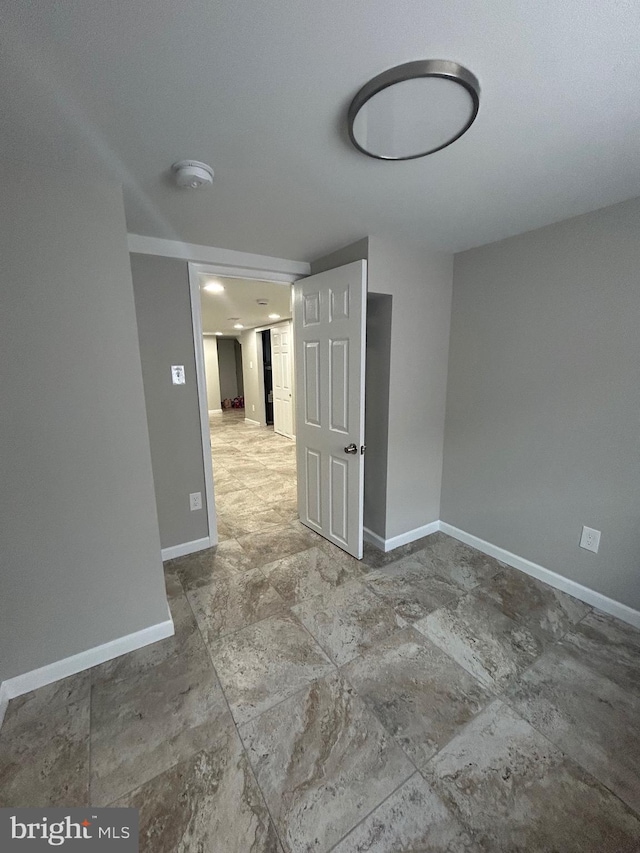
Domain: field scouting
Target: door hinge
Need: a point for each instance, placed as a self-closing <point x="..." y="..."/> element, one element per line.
<point x="362" y="449"/>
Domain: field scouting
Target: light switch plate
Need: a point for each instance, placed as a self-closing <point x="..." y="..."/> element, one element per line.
<point x="177" y="374"/>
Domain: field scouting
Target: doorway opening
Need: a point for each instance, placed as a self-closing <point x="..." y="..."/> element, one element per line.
<point x="247" y="356"/>
<point x="267" y="376"/>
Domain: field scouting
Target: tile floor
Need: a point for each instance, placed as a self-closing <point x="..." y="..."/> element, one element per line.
<point x="429" y="699"/>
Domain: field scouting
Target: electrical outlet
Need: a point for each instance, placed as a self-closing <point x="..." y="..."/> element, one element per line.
<point x="195" y="501"/>
<point x="590" y="539"/>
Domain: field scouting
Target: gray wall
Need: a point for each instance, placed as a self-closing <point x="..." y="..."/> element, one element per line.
<point x="210" y="347"/>
<point x="421" y="285"/>
<point x="239" y="377"/>
<point x="227" y="368"/>
<point x="80" y="546"/>
<point x="376" y="414"/>
<point x="357" y="251"/>
<point x="163" y="310"/>
<point x="252" y="373"/>
<point x="544" y="397"/>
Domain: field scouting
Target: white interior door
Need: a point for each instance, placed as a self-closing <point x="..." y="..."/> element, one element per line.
<point x="281" y="352"/>
<point x="329" y="313"/>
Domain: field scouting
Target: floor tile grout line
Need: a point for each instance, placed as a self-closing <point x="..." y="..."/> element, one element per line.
<point x="375" y="808"/>
<point x="506" y="700"/>
<point x="237" y="731"/>
<point x="566" y="755"/>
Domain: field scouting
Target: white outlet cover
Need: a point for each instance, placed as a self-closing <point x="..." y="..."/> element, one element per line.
<point x="590" y="539"/>
<point x="195" y="500"/>
<point x="177" y="374"/>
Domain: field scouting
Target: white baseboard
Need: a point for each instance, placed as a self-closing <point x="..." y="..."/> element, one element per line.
<point x="28" y="681"/>
<point x="402" y="539"/>
<point x="4" y="701"/>
<point x="186" y="548"/>
<point x="215" y="411"/>
<point x="583" y="593"/>
<point x="373" y="538"/>
<point x="252" y="422"/>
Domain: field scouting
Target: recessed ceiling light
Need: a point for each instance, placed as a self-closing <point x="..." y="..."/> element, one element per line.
<point x="413" y="109"/>
<point x="238" y="326"/>
<point x="214" y="286"/>
<point x="274" y="316"/>
<point x="218" y="333"/>
<point x="262" y="301"/>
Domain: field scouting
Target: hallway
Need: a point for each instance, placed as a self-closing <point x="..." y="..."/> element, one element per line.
<point x="254" y="472"/>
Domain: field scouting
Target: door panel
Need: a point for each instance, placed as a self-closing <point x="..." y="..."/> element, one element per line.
<point x="329" y="344"/>
<point x="282" y="380"/>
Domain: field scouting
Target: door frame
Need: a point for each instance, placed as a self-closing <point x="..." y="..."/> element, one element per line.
<point x="196" y="269"/>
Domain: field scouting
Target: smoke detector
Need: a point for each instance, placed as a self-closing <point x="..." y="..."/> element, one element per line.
<point x="192" y="175"/>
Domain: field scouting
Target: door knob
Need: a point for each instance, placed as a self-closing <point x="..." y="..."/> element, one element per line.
<point x="352" y="448"/>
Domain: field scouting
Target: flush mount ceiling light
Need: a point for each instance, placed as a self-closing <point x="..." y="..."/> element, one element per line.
<point x="218" y="333"/>
<point x="214" y="287"/>
<point x="238" y="326"/>
<point x="413" y="109"/>
<point x="274" y="316"/>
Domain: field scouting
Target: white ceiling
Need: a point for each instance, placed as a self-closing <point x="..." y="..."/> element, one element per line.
<point x="239" y="300"/>
<point x="260" y="91"/>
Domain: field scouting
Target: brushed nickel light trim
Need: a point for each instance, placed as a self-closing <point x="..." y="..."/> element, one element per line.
<point x="439" y="68"/>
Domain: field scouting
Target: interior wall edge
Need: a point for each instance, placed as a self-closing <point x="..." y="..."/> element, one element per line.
<point x="26" y="682"/>
<point x="561" y="582"/>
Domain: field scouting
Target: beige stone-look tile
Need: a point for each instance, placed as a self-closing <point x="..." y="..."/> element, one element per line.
<point x="286" y="491"/>
<point x="265" y="663"/>
<point x="610" y="646"/>
<point x="44" y="746"/>
<point x="224" y="530"/>
<point x="591" y="718"/>
<point x="241" y="524"/>
<point x="145" y="724"/>
<point x="358" y="567"/>
<point x="240" y="467"/>
<point x="347" y="620"/>
<point x="323" y="762"/>
<point x="264" y="548"/>
<point x="420" y="695"/>
<point x="517" y="793"/>
<point x="240" y="502"/>
<point x="541" y="608"/>
<point x="232" y="600"/>
<point x="477" y="635"/>
<point x="225" y="484"/>
<point x="306" y="574"/>
<point x="200" y="568"/>
<point x="288" y="509"/>
<point x="414" y="820"/>
<point x="271" y="481"/>
<point x="210" y="802"/>
<point x="410" y="589"/>
<point x="452" y="559"/>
